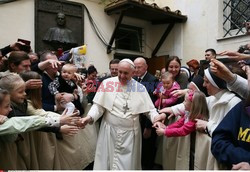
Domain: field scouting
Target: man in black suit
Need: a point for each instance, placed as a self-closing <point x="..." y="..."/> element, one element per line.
<point x="148" y="133"/>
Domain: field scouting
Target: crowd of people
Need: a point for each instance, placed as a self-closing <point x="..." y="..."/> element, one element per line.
<point x="54" y="116"/>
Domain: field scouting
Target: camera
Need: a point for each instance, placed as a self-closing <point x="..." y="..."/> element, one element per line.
<point x="24" y="47"/>
<point x="244" y="49"/>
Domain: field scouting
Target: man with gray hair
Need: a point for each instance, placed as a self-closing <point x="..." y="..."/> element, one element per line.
<point x="120" y="100"/>
<point x="148" y="132"/>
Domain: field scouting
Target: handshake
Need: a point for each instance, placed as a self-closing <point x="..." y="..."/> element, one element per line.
<point x="71" y="124"/>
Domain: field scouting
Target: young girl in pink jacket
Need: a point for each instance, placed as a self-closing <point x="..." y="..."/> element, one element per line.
<point x="164" y="89"/>
<point x="195" y="108"/>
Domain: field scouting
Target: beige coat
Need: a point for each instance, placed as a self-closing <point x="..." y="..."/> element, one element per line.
<point x="71" y="153"/>
<point x="204" y="159"/>
<point x="176" y="151"/>
<point x="9" y="157"/>
<point x="46" y="150"/>
<point x="18" y="155"/>
<point x="45" y="144"/>
<point x="78" y="151"/>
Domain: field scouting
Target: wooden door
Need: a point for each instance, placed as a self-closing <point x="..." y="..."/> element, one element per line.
<point x="156" y="63"/>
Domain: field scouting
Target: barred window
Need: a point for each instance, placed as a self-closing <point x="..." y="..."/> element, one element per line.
<point x="235" y="14"/>
<point x="130" y="38"/>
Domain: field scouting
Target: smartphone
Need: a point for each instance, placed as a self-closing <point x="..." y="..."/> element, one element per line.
<point x="25" y="47"/>
<point x="26" y="42"/>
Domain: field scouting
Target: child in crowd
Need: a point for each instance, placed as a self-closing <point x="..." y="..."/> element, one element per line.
<point x="65" y="83"/>
<point x="164" y="89"/>
<point x="23" y="124"/>
<point x="195" y="108"/>
<point x="43" y="140"/>
<point x="16" y="124"/>
<point x="13" y="103"/>
<point x="34" y="106"/>
<point x="20" y="145"/>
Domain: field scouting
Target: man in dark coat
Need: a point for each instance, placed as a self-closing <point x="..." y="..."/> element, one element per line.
<point x="148" y="133"/>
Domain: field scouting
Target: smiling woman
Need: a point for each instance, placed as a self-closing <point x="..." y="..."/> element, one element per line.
<point x="173" y="66"/>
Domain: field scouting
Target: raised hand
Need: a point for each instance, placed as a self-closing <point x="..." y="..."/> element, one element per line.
<point x="220" y="70"/>
<point x="234" y="55"/>
<point x="33" y="83"/>
<point x="18" y="46"/>
<point x="54" y="63"/>
<point x="69" y="119"/>
<point x="78" y="77"/>
<point x="179" y="93"/>
<point x="50" y="63"/>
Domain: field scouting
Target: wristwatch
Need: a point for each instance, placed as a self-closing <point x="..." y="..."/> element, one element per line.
<point x="206" y="131"/>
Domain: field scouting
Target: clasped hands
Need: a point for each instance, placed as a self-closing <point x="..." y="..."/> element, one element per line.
<point x="72" y="124"/>
<point x="159" y="120"/>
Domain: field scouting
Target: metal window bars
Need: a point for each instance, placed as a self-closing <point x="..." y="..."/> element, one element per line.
<point x="235" y="14"/>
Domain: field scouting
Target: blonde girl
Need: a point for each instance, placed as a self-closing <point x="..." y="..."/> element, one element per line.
<point x="195" y="108"/>
<point x="21" y="150"/>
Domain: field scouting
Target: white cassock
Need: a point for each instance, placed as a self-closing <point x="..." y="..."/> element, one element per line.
<point x="119" y="140"/>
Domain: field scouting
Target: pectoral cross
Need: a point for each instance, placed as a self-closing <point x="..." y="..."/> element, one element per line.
<point x="125" y="107"/>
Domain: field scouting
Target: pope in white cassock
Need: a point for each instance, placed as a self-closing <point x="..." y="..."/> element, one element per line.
<point x="120" y="100"/>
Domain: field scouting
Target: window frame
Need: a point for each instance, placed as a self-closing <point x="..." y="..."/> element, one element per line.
<point x="141" y="37"/>
<point x="227" y="32"/>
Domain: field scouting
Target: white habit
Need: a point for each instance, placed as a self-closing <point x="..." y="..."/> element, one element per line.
<point x="119" y="140"/>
